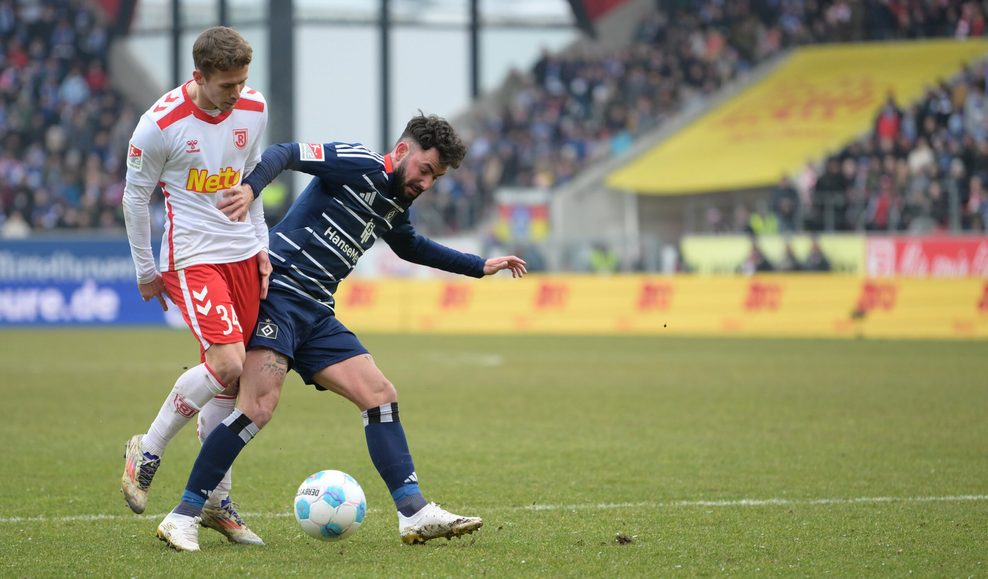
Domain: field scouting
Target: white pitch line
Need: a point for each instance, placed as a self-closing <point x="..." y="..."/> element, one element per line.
<point x="571" y="507"/>
<point x="756" y="503"/>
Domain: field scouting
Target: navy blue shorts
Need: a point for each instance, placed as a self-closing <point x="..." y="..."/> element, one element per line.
<point x="304" y="331"/>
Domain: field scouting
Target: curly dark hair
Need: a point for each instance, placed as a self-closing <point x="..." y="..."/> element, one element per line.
<point x="220" y="48"/>
<point x="434" y="131"/>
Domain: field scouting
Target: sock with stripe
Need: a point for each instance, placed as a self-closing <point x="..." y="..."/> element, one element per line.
<point x="193" y="389"/>
<point x="216" y="456"/>
<point x="390" y="455"/>
<point x="211" y="415"/>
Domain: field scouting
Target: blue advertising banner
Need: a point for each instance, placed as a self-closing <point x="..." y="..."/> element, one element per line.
<point x="73" y="281"/>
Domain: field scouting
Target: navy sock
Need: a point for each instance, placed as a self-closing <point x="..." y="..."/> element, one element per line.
<point x="217" y="454"/>
<point x="390" y="455"/>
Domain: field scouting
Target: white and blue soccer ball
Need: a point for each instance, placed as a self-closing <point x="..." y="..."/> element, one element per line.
<point x="330" y="505"/>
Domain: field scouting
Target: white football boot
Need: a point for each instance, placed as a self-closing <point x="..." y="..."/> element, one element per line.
<point x="432" y="522"/>
<point x="139" y="469"/>
<point x="181" y="532"/>
<point x="223" y="517"/>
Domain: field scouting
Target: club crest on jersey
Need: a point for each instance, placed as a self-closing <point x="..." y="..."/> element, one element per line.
<point x="267" y="329"/>
<point x="240" y="138"/>
<point x="368" y="231"/>
<point x="135" y="157"/>
<point x="311" y="152"/>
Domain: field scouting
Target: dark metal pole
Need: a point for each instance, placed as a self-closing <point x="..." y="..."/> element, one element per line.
<point x="224" y="13"/>
<point x="474" y="48"/>
<point x="281" y="47"/>
<point x="385" y="21"/>
<point x="177" y="76"/>
<point x="280" y="96"/>
<point x="124" y="18"/>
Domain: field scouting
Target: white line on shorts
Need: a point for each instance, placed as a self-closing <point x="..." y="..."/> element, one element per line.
<point x="563" y="507"/>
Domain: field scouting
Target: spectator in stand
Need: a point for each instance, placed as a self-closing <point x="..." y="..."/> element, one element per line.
<point x="828" y="196"/>
<point x="741" y="219"/>
<point x="816" y="260"/>
<point x="789" y="262"/>
<point x="889" y="120"/>
<point x="880" y="205"/>
<point x="756" y="262"/>
<point x="971" y="22"/>
<point x="14" y="226"/>
<point x="763" y="222"/>
<point x="939" y="205"/>
<point x="603" y="259"/>
<point x="785" y="205"/>
<point x="972" y="217"/>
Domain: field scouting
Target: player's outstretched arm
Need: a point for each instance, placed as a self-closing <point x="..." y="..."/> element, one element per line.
<point x="496" y="264"/>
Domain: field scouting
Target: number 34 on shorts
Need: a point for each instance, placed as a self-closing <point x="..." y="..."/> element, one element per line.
<point x="205" y="296"/>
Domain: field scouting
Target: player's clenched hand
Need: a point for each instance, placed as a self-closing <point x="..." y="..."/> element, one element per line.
<point x="154" y="289"/>
<point x="235" y="202"/>
<point x="496" y="264"/>
<point x="264" y="269"/>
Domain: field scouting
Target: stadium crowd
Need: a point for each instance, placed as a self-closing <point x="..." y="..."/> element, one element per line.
<point x="64" y="130"/>
<point x="924" y="167"/>
<point x="570" y="110"/>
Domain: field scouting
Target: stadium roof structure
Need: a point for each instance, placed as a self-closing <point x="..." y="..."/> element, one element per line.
<point x="154" y="14"/>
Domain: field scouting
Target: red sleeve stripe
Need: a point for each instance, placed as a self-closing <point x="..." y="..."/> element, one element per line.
<point x="170" y="215"/>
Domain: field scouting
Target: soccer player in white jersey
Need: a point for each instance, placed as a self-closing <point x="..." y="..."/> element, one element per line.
<point x="197" y="141"/>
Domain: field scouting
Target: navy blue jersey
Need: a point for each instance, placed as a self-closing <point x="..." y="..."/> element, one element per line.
<point x="347" y="206"/>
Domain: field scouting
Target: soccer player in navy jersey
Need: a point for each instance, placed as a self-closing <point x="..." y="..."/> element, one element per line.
<point x="355" y="197"/>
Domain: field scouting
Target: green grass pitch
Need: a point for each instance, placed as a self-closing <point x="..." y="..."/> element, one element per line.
<point x="706" y="456"/>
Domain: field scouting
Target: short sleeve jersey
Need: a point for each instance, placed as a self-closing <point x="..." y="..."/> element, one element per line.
<point x="194" y="155"/>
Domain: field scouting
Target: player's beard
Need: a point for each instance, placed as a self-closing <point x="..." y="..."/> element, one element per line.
<point x="399" y="184"/>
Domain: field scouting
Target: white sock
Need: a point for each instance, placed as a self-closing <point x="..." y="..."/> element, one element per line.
<point x="192" y="390"/>
<point x="222" y="490"/>
<point x="213" y="413"/>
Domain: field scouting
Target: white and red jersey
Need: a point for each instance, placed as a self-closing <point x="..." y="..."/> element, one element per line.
<point x="193" y="155"/>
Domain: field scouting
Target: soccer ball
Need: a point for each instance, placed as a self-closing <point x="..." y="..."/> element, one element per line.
<point x="330" y="505"/>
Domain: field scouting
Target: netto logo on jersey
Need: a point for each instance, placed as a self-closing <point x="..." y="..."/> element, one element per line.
<point x="201" y="181"/>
